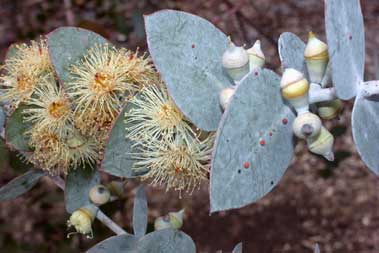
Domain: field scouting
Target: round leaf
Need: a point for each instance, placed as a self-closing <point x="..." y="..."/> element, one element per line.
<point x="365" y="122"/>
<point x="346" y="42"/>
<point x="166" y="241"/>
<point x="254" y="144"/>
<point x="140" y="212"/>
<point x="238" y="248"/>
<point x="116" y="244"/>
<point x="118" y="160"/>
<point x="67" y="45"/>
<point x="78" y="184"/>
<point x="291" y="52"/>
<point x="187" y="50"/>
<point x="15" y="130"/>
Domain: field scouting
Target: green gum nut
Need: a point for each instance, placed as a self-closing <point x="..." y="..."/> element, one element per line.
<point x="329" y="109"/>
<point x="322" y="144"/>
<point x="99" y="195"/>
<point x="176" y="219"/>
<point x="256" y="57"/>
<point x="162" y="223"/>
<point x="316" y="57"/>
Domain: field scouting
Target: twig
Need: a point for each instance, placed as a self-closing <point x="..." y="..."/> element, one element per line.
<point x="370" y="88"/>
<point x="99" y="215"/>
<point x="110" y="223"/>
<point x="68" y="12"/>
<point x="318" y="94"/>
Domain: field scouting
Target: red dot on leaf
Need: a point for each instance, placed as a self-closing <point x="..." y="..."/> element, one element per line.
<point x="285" y="121"/>
<point x="262" y="142"/>
<point x="270" y="133"/>
<point x="246" y="165"/>
<point x="193" y="46"/>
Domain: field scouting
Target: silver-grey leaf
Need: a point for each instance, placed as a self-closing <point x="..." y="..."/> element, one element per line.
<point x="254" y="144"/>
<point x="238" y="248"/>
<point x="140" y="211"/>
<point x="116" y="244"/>
<point x="291" y="52"/>
<point x="316" y="248"/>
<point x="187" y="50"/>
<point x="78" y="184"/>
<point x="365" y="125"/>
<point x="20" y="185"/>
<point x="166" y="241"/>
<point x="346" y="43"/>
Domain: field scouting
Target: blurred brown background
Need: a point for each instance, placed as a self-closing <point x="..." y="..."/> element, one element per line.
<point x="335" y="204"/>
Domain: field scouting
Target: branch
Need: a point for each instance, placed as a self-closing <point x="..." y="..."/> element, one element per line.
<point x="110" y="223"/>
<point x="369" y="89"/>
<point x="318" y="94"/>
<point x="99" y="215"/>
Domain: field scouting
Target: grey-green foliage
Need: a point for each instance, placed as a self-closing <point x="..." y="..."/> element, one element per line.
<point x="316" y="248"/>
<point x="78" y="184"/>
<point x="365" y="126"/>
<point x="345" y="36"/>
<point x="291" y="50"/>
<point x="162" y="241"/>
<point x="140" y="212"/>
<point x="166" y="241"/>
<point x="116" y="244"/>
<point x="254" y="145"/>
<point x="238" y="248"/>
<point x="346" y="43"/>
<point x="67" y="45"/>
<point x="20" y="185"/>
<point x="187" y="50"/>
<point x="118" y="160"/>
<point x="15" y="130"/>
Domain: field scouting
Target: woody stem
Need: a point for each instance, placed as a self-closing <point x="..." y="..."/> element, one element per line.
<point x="369" y="89"/>
<point x="318" y="94"/>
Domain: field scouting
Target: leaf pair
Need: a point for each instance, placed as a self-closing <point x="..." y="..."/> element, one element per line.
<point x="346" y="45"/>
<point x="253" y="146"/>
<point x="161" y="241"/>
<point x="165" y="241"/>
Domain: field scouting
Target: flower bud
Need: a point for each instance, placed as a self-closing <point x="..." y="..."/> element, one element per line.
<point x="176" y="219"/>
<point x="99" y="195"/>
<point x="225" y="96"/>
<point x="317" y="58"/>
<point x="172" y="220"/>
<point x="322" y="144"/>
<point x="235" y="60"/>
<point x="256" y="56"/>
<point x="295" y="89"/>
<point x="162" y="223"/>
<point x="82" y="219"/>
<point x="306" y="125"/>
<point x="329" y="109"/>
